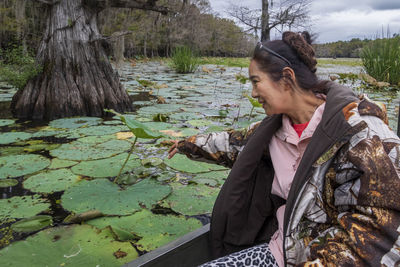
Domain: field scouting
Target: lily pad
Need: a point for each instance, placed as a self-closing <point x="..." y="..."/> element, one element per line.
<point x="100" y="130"/>
<point x="86" y="151"/>
<point x="151" y="162"/>
<point x="51" y="181"/>
<point x="12" y="137"/>
<point x="192" y="199"/>
<point x="61" y="163"/>
<point x="154" y="230"/>
<point x="109" y="199"/>
<point x="8" y="182"/>
<point x="219" y="176"/>
<point x="73" y="123"/>
<point x="109" y="167"/>
<point x="22" y="207"/>
<point x="39" y="145"/>
<point x="18" y="165"/>
<point x="184" y="116"/>
<point x="157" y="126"/>
<point x="32" y="224"/>
<point x="75" y="245"/>
<point x="200" y="123"/>
<point x="182" y="163"/>
<point x="6" y="122"/>
<point x="11" y="150"/>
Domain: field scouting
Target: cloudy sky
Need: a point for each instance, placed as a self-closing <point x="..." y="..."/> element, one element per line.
<point x="335" y="20"/>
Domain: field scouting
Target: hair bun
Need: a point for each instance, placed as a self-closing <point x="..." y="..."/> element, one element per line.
<point x="301" y="43"/>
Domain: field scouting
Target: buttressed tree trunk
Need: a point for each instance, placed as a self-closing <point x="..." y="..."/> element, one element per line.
<point x="77" y="77"/>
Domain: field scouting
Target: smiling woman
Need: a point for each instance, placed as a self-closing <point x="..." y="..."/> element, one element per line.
<point x="316" y="182"/>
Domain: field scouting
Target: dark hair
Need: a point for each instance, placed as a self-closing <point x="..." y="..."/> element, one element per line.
<point x="295" y="48"/>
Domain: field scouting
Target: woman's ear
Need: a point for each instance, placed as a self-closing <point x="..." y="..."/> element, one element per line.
<point x="289" y="77"/>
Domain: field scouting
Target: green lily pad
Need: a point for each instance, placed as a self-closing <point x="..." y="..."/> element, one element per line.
<point x="157" y="126"/>
<point x="57" y="163"/>
<point x="189" y="132"/>
<point x="11" y="150"/>
<point x="154" y="230"/>
<point x="6" y="122"/>
<point x="219" y="176"/>
<point x="51" y="181"/>
<point x="32" y="224"/>
<point x="151" y="162"/>
<point x="18" y="165"/>
<point x="109" y="167"/>
<point x="22" y="207"/>
<point x="8" y="182"/>
<point x="97" y="139"/>
<point x="47" y="131"/>
<point x="184" y="116"/>
<point x="161" y="108"/>
<point x="39" y="145"/>
<point x="12" y="137"/>
<point x="73" y="123"/>
<point x="100" y="130"/>
<point x="113" y="122"/>
<point x="75" y="245"/>
<point x="109" y="199"/>
<point x="86" y="151"/>
<point x="182" y="163"/>
<point x="200" y="123"/>
<point x="192" y="199"/>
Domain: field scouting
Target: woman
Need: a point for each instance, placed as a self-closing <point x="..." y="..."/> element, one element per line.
<point x="316" y="183"/>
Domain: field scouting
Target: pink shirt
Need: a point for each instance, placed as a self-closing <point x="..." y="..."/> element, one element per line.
<point x="287" y="149"/>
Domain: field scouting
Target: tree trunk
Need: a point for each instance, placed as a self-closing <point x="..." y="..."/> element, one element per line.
<point x="77" y="77"/>
<point x="265" y="29"/>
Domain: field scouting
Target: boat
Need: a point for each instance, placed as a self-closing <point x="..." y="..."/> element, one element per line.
<point x="190" y="250"/>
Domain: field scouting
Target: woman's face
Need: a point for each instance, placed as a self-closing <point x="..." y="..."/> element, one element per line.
<point x="274" y="96"/>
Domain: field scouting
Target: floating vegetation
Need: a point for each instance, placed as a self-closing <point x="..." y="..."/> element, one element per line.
<point x="18" y="165"/>
<point x="74" y="245"/>
<point x="90" y="195"/>
<point x="51" y="181"/>
<point x="32" y="224"/>
<point x="191" y="199"/>
<point x="153" y="230"/>
<point x="73" y="123"/>
<point x="22" y="207"/>
<point x="12" y="137"/>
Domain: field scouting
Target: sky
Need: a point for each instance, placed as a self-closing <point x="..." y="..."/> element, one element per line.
<point x="334" y="20"/>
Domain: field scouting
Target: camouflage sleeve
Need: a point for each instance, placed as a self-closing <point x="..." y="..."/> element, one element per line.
<point x="364" y="206"/>
<point x="220" y="147"/>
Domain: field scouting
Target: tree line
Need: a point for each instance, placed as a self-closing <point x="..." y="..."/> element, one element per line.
<point x="136" y="32"/>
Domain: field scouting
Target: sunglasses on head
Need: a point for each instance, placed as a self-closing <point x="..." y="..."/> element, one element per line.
<point x="262" y="47"/>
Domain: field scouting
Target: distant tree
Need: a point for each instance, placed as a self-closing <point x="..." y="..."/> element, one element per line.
<point x="77" y="77"/>
<point x="279" y="15"/>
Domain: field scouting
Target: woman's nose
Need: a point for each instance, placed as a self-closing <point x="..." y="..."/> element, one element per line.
<point x="253" y="93"/>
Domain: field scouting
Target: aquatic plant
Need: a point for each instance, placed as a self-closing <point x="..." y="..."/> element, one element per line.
<point x="184" y="60"/>
<point x="381" y="59"/>
<point x="17" y="66"/>
<point x="139" y="130"/>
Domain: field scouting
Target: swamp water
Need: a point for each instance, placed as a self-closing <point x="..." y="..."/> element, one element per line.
<point x="56" y="179"/>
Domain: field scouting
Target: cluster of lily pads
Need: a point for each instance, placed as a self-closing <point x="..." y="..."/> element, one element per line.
<point x="61" y="202"/>
<point x="71" y="165"/>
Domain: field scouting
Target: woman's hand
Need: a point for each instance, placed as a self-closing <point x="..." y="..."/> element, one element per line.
<point x="173" y="149"/>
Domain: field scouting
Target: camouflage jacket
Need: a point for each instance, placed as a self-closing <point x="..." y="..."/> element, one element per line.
<point x="343" y="207"/>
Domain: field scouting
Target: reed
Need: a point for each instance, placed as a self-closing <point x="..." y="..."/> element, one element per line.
<point x="381" y="59"/>
<point x="184" y="60"/>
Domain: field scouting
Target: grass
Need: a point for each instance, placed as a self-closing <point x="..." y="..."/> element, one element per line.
<point x="184" y="60"/>
<point x="226" y="61"/>
<point x="381" y="60"/>
<point x="352" y="62"/>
